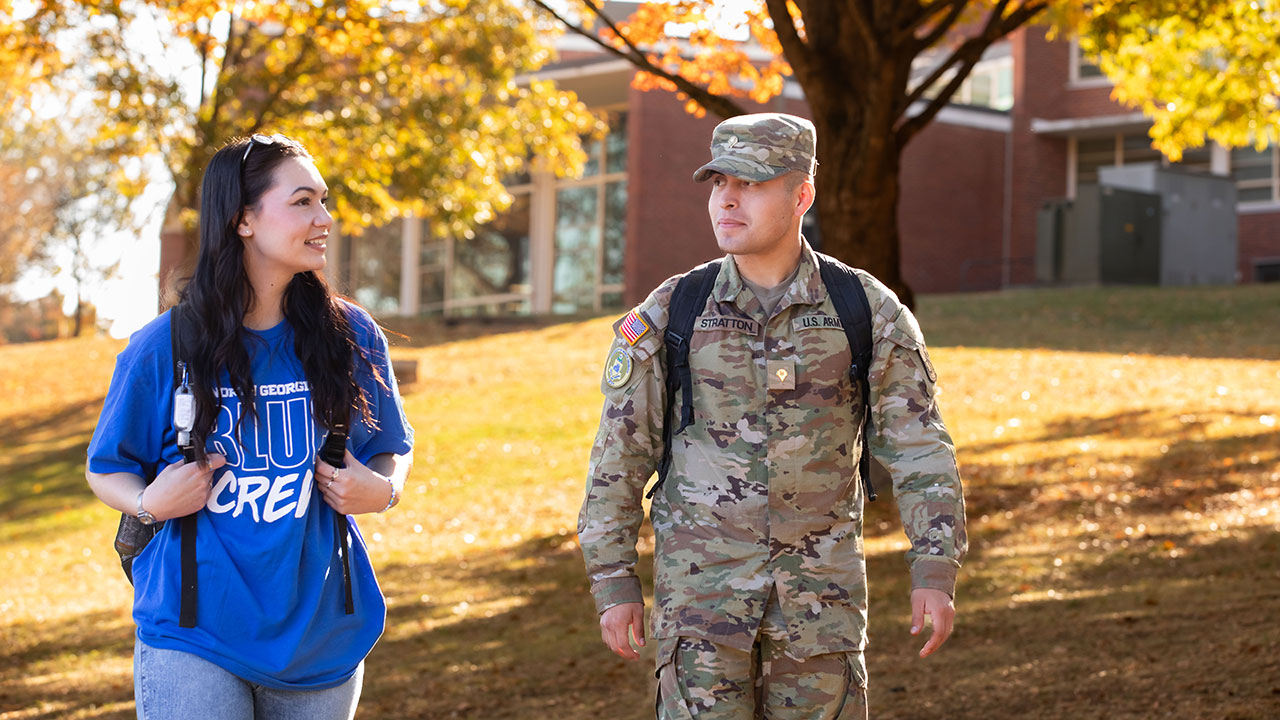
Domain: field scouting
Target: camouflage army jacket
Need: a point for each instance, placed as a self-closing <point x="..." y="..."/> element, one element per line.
<point x="763" y="490"/>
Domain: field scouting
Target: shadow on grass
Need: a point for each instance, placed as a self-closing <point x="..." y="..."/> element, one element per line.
<point x="527" y="645"/>
<point x="77" y="645"/>
<point x="42" y="461"/>
<point x="1133" y="634"/>
<point x="1192" y="470"/>
<point x="1211" y="322"/>
<point x="1137" y="635"/>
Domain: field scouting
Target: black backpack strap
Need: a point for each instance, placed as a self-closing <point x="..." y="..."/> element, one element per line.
<point x="343" y="546"/>
<point x="850" y="299"/>
<point x="180" y="339"/>
<point x="686" y="305"/>
<point x="333" y="451"/>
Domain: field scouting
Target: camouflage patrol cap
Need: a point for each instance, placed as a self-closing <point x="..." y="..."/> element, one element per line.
<point x="761" y="147"/>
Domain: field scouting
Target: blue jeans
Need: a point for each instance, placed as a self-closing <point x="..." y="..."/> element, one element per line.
<point x="174" y="684"/>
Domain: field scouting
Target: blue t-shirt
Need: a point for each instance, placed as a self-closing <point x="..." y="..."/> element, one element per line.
<point x="271" y="598"/>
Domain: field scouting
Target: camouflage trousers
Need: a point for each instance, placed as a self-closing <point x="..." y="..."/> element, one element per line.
<point x="701" y="679"/>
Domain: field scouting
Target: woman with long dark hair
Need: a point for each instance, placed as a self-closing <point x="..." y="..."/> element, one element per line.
<point x="256" y="597"/>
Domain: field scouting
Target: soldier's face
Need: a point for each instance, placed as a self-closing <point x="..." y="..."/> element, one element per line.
<point x="754" y="217"/>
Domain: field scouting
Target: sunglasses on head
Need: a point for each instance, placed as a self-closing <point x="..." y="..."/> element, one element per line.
<point x="258" y="139"/>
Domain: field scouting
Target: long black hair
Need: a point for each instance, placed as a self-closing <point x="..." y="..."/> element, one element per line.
<point x="219" y="294"/>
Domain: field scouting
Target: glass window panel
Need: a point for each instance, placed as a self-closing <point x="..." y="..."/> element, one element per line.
<point x="496" y="260"/>
<point x="1249" y="164"/>
<point x="591" y="146"/>
<point x="1088" y="68"/>
<point x="1137" y="149"/>
<point x="1197" y="160"/>
<point x="432" y="256"/>
<point x="615" y="145"/>
<point x="577" y="243"/>
<point x="615" y="231"/>
<point x="1091" y="154"/>
<point x="375" y="263"/>
<point x="980" y="90"/>
<point x="1254" y="194"/>
<point x="611" y="301"/>
<point x="1244" y="173"/>
<point x="1004" y="88"/>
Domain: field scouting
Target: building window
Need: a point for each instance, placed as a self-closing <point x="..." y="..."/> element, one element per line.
<point x="485" y="275"/>
<point x="590" y="227"/>
<point x="373" y="267"/>
<point x="1197" y="159"/>
<point x="1092" y="153"/>
<point x="575" y="229"/>
<point x="490" y="271"/>
<point x="1083" y="67"/>
<point x="1255" y="174"/>
<point x="989" y="84"/>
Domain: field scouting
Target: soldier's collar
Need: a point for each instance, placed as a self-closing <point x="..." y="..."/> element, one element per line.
<point x="807" y="288"/>
<point x="728" y="281"/>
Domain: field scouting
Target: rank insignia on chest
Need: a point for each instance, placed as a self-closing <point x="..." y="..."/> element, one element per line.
<point x="618" y="370"/>
<point x="782" y="374"/>
<point x="633" y="327"/>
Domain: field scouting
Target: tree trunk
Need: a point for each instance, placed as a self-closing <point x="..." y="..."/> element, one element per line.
<point x="858" y="186"/>
<point x="179" y="244"/>
<point x="858" y="220"/>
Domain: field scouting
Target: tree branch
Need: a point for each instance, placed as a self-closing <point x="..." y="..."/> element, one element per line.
<point x="939" y="71"/>
<point x="968" y="54"/>
<point x="718" y="104"/>
<point x="798" y="54"/>
<point x="862" y="22"/>
<point x="954" y="8"/>
<point x="229" y="53"/>
<point x="204" y="69"/>
<point x="285" y="77"/>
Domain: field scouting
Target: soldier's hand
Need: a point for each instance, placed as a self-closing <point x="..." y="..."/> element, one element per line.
<point x="937" y="605"/>
<point x="619" y="624"/>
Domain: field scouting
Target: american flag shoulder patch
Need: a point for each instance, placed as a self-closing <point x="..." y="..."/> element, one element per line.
<point x="633" y="327"/>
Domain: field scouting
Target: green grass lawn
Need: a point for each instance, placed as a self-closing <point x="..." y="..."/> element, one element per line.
<point x="1121" y="455"/>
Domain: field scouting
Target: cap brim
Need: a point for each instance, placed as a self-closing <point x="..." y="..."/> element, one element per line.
<point x="742" y="169"/>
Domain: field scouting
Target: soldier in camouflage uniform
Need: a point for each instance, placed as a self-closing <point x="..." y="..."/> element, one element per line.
<point x="760" y="579"/>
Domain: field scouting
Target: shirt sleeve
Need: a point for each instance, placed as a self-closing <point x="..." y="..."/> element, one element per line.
<point x="909" y="439"/>
<point x="130" y="434"/>
<point x="392" y="432"/>
<point x="627" y="449"/>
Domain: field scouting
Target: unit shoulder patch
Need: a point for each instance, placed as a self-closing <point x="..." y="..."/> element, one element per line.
<point x="617" y="371"/>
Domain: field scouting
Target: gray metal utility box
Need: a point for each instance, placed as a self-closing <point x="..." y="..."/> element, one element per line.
<point x="1198" y="241"/>
<point x="1105" y="235"/>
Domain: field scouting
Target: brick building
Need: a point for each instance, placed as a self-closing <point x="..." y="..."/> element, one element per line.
<point x="1032" y="123"/>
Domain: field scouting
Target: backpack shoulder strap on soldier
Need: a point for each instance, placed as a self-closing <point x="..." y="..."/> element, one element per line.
<point x="687" y="302"/>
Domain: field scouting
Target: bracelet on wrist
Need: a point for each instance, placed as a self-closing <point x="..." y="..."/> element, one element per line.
<point x="395" y="496"/>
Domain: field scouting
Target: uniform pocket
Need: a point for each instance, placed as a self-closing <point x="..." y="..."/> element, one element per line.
<point x="670" y="702"/>
<point x="855" y="697"/>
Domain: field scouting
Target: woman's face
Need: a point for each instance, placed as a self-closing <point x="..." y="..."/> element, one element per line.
<point x="285" y="233"/>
